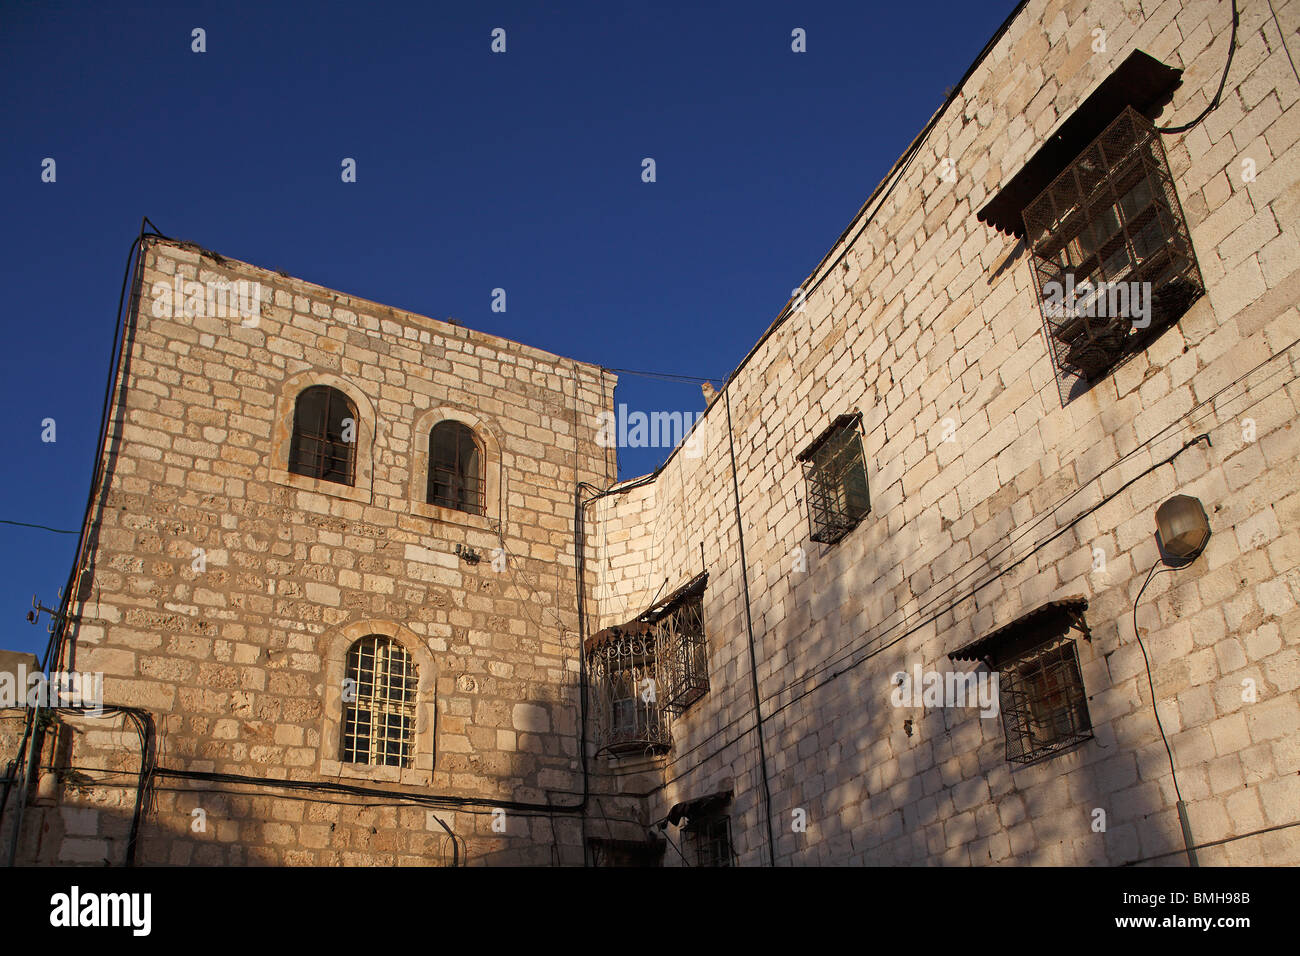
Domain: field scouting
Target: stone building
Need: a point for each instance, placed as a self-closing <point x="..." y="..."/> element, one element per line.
<point x="923" y="479"/>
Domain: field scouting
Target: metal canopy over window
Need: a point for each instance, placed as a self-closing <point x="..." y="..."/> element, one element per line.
<point x="700" y="806"/>
<point x="838" y="495"/>
<point x="324" y="435"/>
<point x="1053" y="619"/>
<point x="1141" y="82"/>
<point x="455" y="468"/>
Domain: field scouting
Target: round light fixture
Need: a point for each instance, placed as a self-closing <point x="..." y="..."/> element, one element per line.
<point x="1183" y="527"/>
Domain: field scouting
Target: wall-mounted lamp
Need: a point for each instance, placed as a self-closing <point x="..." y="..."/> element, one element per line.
<point x="1183" y="527"/>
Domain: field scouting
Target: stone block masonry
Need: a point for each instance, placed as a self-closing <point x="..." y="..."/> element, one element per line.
<point x="925" y="320"/>
<point x="224" y="590"/>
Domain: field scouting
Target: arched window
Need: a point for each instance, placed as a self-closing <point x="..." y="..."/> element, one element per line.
<point x="324" y="435"/>
<point x="379" y="698"/>
<point x="455" y="468"/>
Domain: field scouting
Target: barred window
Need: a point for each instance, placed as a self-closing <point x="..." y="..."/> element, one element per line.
<point x="1040" y="688"/>
<point x="683" y="651"/>
<point x="455" y="468"/>
<point x="324" y="435"/>
<point x="708" y="840"/>
<point x="838" y="497"/>
<point x="1112" y="259"/>
<point x="1044" y="709"/>
<point x="625" y="690"/>
<point x="379" y="698"/>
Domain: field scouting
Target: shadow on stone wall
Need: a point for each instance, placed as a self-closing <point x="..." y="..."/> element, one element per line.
<point x="200" y="823"/>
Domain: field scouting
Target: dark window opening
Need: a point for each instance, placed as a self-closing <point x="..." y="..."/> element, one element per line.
<point x="455" y="468"/>
<point x="1044" y="708"/>
<point x="626" y="853"/>
<point x="707" y="840"/>
<point x="324" y="435"/>
<point x="838" y="496"/>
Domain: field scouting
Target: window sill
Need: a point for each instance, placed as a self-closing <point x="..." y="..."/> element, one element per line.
<point x="828" y="541"/>
<point x="359" y="493"/>
<point x="451" y="516"/>
<point x="419" y="775"/>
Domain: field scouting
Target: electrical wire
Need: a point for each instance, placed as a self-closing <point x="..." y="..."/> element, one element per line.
<point x="1285" y="49"/>
<point x="753" y="651"/>
<point x="1155" y="569"/>
<point x="54" y="648"/>
<point x="41" y="527"/>
<point x="1214" y="103"/>
<point x="1213" y="843"/>
<point x="668" y="376"/>
<point x="445" y="801"/>
<point x="854" y="649"/>
<point x="1146" y="661"/>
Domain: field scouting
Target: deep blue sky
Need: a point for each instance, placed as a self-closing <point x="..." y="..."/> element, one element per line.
<point x="475" y="171"/>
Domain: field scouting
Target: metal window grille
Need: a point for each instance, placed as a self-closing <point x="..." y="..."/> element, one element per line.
<point x="1112" y="216"/>
<point x="838" y="497"/>
<point x="626" y="694"/>
<point x="1044" y="708"/>
<point x="455" y="468"/>
<point x="323" y="444"/>
<point x="379" y="724"/>
<point x="709" y="840"/>
<point x="683" y="653"/>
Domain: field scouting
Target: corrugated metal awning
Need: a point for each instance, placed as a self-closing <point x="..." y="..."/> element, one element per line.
<point x="1040" y="625"/>
<point x="700" y="805"/>
<point x="661" y="608"/>
<point x="603" y="637"/>
<point x="851" y="418"/>
<point x="641" y="624"/>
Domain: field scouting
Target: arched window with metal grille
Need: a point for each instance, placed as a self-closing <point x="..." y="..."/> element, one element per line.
<point x="379" y="701"/>
<point x="456" y="468"/>
<point x="324" y="435"/>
